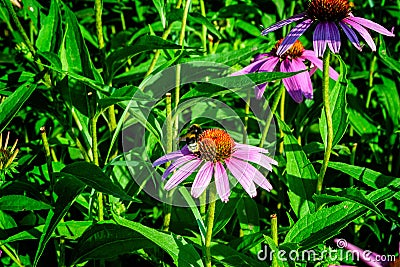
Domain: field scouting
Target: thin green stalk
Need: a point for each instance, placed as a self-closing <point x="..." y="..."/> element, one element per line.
<point x="282" y="116"/>
<point x="328" y="116"/>
<point x="371" y="80"/>
<point x="21" y="29"/>
<point x="98" y="8"/>
<point x="169" y="122"/>
<point x="274" y="233"/>
<point x="246" y="116"/>
<point x="93" y="121"/>
<point x="281" y="90"/>
<point x="210" y="224"/>
<point x="203" y="27"/>
<point x="48" y="156"/>
<point x="11" y="255"/>
<point x="352" y="160"/>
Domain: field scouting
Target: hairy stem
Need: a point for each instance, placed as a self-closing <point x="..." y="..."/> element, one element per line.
<point x="328" y="116"/>
<point x="274" y="233"/>
<point x="210" y="224"/>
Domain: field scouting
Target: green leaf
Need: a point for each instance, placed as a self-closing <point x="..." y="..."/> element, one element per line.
<point x="160" y="6"/>
<point x="247" y="212"/>
<point x="389" y="100"/>
<point x="93" y="176"/>
<point x="301" y="175"/>
<point x="106" y="240"/>
<point x="126" y="93"/>
<point x="316" y="228"/>
<point x="222" y="86"/>
<point x="367" y="176"/>
<point x="117" y="59"/>
<point x="10" y="107"/>
<point x="338" y="104"/>
<point x="21" y="203"/>
<point x="49" y="32"/>
<point x="224" y="213"/>
<point x="181" y="252"/>
<point x="67" y="190"/>
<point x="350" y="194"/>
<point x="390" y="62"/>
<point x="230" y="257"/>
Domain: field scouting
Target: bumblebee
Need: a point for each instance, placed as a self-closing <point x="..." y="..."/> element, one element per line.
<point x="191" y="138"/>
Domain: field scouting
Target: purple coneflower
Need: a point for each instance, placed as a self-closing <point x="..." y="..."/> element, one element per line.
<point x="291" y="61"/>
<point x="368" y="257"/>
<point x="327" y="14"/>
<point x="216" y="149"/>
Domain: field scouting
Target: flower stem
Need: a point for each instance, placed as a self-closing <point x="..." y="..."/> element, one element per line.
<point x="203" y="27"/>
<point x="169" y="123"/>
<point x="96" y="162"/>
<point x="328" y="117"/>
<point x="281" y="90"/>
<point x="282" y="116"/>
<point x="274" y="233"/>
<point x="11" y="255"/>
<point x="210" y="224"/>
<point x="48" y="156"/>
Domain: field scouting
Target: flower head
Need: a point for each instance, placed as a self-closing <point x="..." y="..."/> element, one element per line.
<point x="7" y="156"/>
<point x="370" y="258"/>
<point x="327" y="15"/>
<point x="292" y="60"/>
<point x="216" y="150"/>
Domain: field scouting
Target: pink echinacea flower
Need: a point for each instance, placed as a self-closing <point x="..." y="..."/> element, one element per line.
<point x="217" y="149"/>
<point x="327" y="14"/>
<point x="292" y="60"/>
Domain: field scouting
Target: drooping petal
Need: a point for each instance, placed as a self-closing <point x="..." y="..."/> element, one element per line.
<point x="310" y="56"/>
<point x="259" y="90"/>
<point x="176" y="164"/>
<point x="260" y="56"/>
<point x="257" y="158"/>
<point x="333" y="36"/>
<point x="291" y="83"/>
<point x="282" y="23"/>
<point x="320" y="39"/>
<point x="241" y="172"/>
<point x="222" y="182"/>
<point x="371" y="25"/>
<point x="303" y="78"/>
<point x="368" y="258"/>
<point x="268" y="66"/>
<point x="351" y="35"/>
<point x="362" y="31"/>
<point x="253" y="67"/>
<point x="293" y="35"/>
<point x="171" y="156"/>
<point x="202" y="179"/>
<point x="182" y="173"/>
<point x="250" y="149"/>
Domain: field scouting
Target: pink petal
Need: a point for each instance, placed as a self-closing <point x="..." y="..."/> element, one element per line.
<point x="310" y="56"/>
<point x="303" y="78"/>
<point x="202" y="179"/>
<point x="291" y="83"/>
<point x="362" y="31"/>
<point x="259" y="90"/>
<point x="182" y="173"/>
<point x="371" y="25"/>
<point x="268" y="66"/>
<point x="176" y="164"/>
<point x="173" y="155"/>
<point x="250" y="149"/>
<point x="257" y="158"/>
<point x="319" y="39"/>
<point x="222" y="182"/>
<point x="351" y="35"/>
<point x="293" y="35"/>
<point x="282" y="23"/>
<point x="241" y="173"/>
<point x="253" y="67"/>
<point x="333" y="36"/>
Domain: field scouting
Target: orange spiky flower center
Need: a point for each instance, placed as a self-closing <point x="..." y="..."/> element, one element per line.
<point x="215" y="145"/>
<point x="295" y="51"/>
<point x="328" y="10"/>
